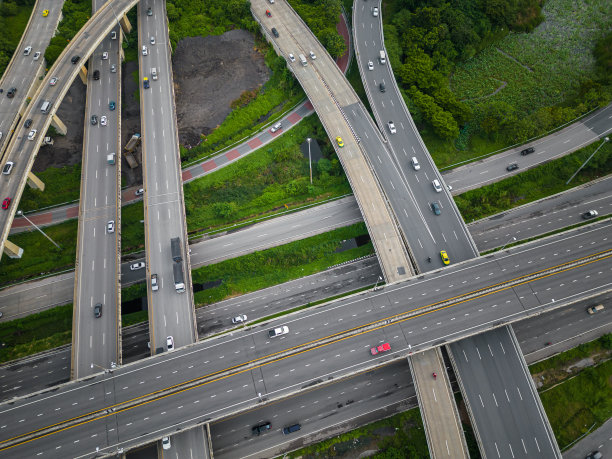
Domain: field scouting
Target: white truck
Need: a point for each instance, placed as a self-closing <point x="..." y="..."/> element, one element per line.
<point x="110" y="158"/>
<point x="382" y="58"/>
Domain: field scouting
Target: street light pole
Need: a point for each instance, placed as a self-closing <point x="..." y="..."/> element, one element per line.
<point x="377" y="281"/>
<point x="106" y="370"/>
<point x="511" y="239"/>
<point x="21" y="214"/>
<point x="308" y="139"/>
<point x="588" y="159"/>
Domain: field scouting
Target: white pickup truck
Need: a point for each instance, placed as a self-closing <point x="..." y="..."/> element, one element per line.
<point x="278" y="331"/>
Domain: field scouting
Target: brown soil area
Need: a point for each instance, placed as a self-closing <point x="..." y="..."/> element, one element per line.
<point x="210" y="73"/>
<point x="130" y="121"/>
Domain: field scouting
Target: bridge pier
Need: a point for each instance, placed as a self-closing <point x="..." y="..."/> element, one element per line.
<point x="125" y="24"/>
<point x="12" y="250"/>
<point x="35" y="182"/>
<point x="59" y="126"/>
<point x="83" y="74"/>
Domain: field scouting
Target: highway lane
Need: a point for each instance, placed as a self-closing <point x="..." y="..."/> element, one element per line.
<point x="170" y="313"/>
<point x="23" y="71"/>
<point x="96" y="340"/>
<point x="492" y="169"/>
<point x="280" y="378"/>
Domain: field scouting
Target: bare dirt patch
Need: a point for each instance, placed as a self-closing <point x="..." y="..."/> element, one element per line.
<point x="209" y="74"/>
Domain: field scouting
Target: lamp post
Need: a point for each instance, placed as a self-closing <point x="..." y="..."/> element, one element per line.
<point x="21" y="214"/>
<point x="507" y="242"/>
<point x="106" y="370"/>
<point x="606" y="139"/>
<point x="377" y="281"/>
<point x="308" y="139"/>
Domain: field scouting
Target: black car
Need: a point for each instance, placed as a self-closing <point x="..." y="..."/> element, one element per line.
<point x="98" y="310"/>
<point x="512" y="167"/>
<point x="527" y="151"/>
<point x="11" y="93"/>
<point x="274" y="32"/>
<point x="382" y="87"/>
<point x="75" y="59"/>
<point x="435" y="206"/>
<point x="261" y="428"/>
<point x="94" y="119"/>
<point x="590" y="214"/>
<point x="27" y="123"/>
<point x="290" y="429"/>
<point x="96" y="74"/>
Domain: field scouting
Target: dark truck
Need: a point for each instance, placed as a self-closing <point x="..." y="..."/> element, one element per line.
<point x="179" y="281"/>
<point x="175" y="245"/>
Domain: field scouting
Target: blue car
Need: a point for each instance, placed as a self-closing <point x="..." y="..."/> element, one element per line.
<point x="111" y="105"/>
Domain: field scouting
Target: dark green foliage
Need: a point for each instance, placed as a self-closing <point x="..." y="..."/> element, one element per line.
<point x="62" y="185"/>
<point x="75" y="14"/>
<point x="14" y="16"/>
<point x="321" y="16"/>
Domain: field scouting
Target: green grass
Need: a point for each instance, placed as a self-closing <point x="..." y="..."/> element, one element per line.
<point x="274" y="266"/>
<point x="132" y="228"/>
<point x="579" y="404"/>
<point x="399" y="436"/>
<point x="62" y="184"/>
<point x="270" y="178"/>
<point x="534" y="184"/>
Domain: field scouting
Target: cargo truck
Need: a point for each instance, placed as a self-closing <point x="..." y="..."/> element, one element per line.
<point x="179" y="281"/>
<point x="133" y="142"/>
<point x="175" y="245"/>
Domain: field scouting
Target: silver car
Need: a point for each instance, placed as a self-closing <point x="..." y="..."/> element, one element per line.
<point x="137" y="266"/>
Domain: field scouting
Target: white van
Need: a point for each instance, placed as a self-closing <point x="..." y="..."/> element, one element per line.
<point x="45" y="106"/>
<point x="415" y="163"/>
<point x="382" y="58"/>
<point x="437" y="186"/>
<point x="154" y="73"/>
<point x="303" y="60"/>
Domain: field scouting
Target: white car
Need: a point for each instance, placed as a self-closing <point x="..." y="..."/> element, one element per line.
<point x="152" y="40"/>
<point x="170" y="343"/>
<point x="312" y="55"/>
<point x="392" y="129"/>
<point x="375" y="11"/>
<point x="144" y="50"/>
<point x="36" y="55"/>
<point x="105" y="55"/>
<point x="166" y="443"/>
<point x="32" y="134"/>
<point x="103" y="121"/>
<point x="276" y="127"/>
<point x="437" y="186"/>
<point x="291" y="57"/>
<point x="53" y="80"/>
<point x="278" y="331"/>
<point x="137" y="266"/>
<point x="110" y="227"/>
<point x="154" y="284"/>
<point x="27" y="51"/>
<point x="370" y="65"/>
<point x="239" y="319"/>
<point x="113" y="68"/>
<point x="8" y="166"/>
<point x="139" y="192"/>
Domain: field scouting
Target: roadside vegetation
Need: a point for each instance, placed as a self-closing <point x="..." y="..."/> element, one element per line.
<point x="271" y="178"/>
<point x="62" y="185"/>
<point x="14" y="16"/>
<point x="75" y="14"/>
<point x="536" y="183"/>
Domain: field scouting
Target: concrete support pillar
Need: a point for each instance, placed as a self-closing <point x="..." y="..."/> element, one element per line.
<point x="35" y="182"/>
<point x="12" y="250"/>
<point x="125" y="24"/>
<point x="121" y="55"/>
<point x="83" y="74"/>
<point x="59" y="126"/>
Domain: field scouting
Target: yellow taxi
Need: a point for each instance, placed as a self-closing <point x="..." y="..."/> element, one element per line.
<point x="340" y="141"/>
<point x="45" y="13"/>
<point x="444" y="257"/>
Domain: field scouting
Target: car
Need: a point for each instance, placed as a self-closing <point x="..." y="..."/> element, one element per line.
<point x="27" y="123"/>
<point x="375" y="11"/>
<point x="113" y="35"/>
<point x="312" y="55"/>
<point x="152" y="40"/>
<point x="32" y="134"/>
<point x="595" y="309"/>
<point x="382" y="87"/>
<point x="139" y="192"/>
<point x="94" y="120"/>
<point x="170" y="343"/>
<point x="53" y="80"/>
<point x="6" y="203"/>
<point x="111" y="105"/>
<point x="103" y="121"/>
<point x="370" y="65"/>
<point x="98" y="310"/>
<point x="275" y="32"/>
<point x="291" y="57"/>
<point x="594" y="455"/>
<point x="392" y="129"/>
<point x="444" y="257"/>
<point x="436" y="184"/>
<point x="149" y="12"/>
<point x="268" y="13"/>
<point x="415" y="163"/>
<point x="276" y="127"/>
<point x="45" y="13"/>
<point x="154" y="284"/>
<point x="382" y="348"/>
<point x="110" y="226"/>
<point x="435" y="207"/>
<point x="75" y="59"/>
<point x="0" y="135"/>
<point x="590" y="214"/>
<point x="239" y="319"/>
<point x="291" y="429"/>
<point x="166" y="444"/>
<point x="137" y="266"/>
<point x="527" y="151"/>
<point x="36" y="55"/>
<point x="27" y="50"/>
<point x="261" y="428"/>
<point x="11" y="93"/>
<point x="96" y="75"/>
<point x="145" y="82"/>
<point x="512" y="167"/>
<point x="340" y="141"/>
<point x="145" y="51"/>
<point x="105" y="55"/>
<point x="113" y="68"/>
<point x="278" y="331"/>
<point x="8" y="167"/>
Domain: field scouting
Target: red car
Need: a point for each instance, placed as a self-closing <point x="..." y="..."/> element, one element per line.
<point x="6" y="203"/>
<point x="382" y="348"/>
<point x="268" y="13"/>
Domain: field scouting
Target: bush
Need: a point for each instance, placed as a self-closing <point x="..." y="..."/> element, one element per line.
<point x="14" y="16"/>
